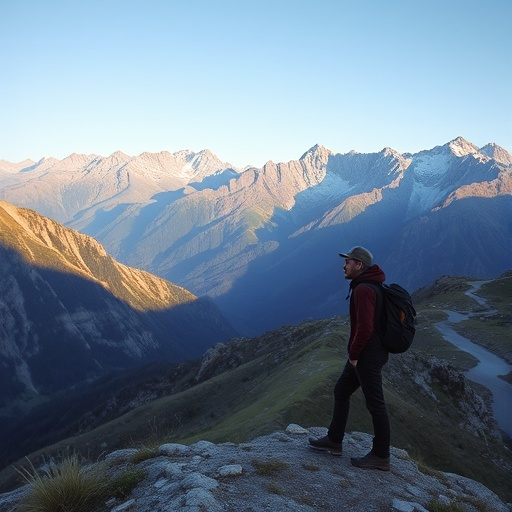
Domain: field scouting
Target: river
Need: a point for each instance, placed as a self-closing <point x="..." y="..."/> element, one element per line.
<point x="489" y="365"/>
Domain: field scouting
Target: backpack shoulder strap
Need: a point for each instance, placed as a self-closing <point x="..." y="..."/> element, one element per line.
<point x="379" y="320"/>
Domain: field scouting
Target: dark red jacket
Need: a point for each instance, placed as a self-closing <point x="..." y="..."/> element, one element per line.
<point x="363" y="300"/>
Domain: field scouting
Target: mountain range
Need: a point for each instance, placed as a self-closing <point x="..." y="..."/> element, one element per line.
<point x="263" y="243"/>
<point x="91" y="334"/>
<point x="71" y="313"/>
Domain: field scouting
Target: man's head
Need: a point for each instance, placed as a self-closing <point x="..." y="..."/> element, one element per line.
<point x="357" y="260"/>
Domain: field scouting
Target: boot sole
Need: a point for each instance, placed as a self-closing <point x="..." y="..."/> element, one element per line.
<point x="380" y="468"/>
<point x="328" y="450"/>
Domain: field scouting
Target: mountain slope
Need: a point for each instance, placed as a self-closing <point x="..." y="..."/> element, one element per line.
<point x="70" y="312"/>
<point x="263" y="243"/>
<point x="251" y="387"/>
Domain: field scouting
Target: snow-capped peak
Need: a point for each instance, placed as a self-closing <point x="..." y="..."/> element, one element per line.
<point x="461" y="147"/>
<point x="497" y="153"/>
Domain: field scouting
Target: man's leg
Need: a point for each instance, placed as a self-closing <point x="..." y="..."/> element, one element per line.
<point x="343" y="390"/>
<point x="370" y="376"/>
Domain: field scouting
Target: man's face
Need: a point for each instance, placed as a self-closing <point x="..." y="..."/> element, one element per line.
<point x="352" y="268"/>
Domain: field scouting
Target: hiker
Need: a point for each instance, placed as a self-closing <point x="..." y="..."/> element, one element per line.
<point x="366" y="357"/>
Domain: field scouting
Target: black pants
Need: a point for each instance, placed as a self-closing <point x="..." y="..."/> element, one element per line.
<point x="368" y="376"/>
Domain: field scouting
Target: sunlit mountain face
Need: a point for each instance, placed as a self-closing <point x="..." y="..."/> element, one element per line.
<point x="263" y="243"/>
<point x="46" y="244"/>
<point x="70" y="312"/>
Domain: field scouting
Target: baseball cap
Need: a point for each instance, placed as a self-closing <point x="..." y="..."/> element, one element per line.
<point x="360" y="254"/>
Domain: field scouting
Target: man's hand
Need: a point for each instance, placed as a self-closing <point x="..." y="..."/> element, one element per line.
<point x="353" y="362"/>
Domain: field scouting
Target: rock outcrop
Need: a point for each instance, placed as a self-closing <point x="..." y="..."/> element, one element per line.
<point x="279" y="472"/>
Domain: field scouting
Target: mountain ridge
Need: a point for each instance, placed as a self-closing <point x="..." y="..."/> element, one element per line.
<point x="66" y="300"/>
<point x="205" y="163"/>
<point x="235" y="231"/>
<point x="69" y="250"/>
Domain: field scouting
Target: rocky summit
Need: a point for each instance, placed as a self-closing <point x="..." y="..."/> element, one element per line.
<point x="278" y="472"/>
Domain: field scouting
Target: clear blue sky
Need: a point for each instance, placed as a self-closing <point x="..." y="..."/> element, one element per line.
<point x="252" y="80"/>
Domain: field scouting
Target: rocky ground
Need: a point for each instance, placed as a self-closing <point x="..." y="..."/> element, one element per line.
<point x="279" y="472"/>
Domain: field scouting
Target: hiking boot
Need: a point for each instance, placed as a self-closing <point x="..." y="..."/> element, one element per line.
<point x="371" y="461"/>
<point x="324" y="444"/>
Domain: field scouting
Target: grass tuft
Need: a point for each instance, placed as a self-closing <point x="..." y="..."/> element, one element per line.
<point x="143" y="454"/>
<point x="311" y="467"/>
<point x="124" y="483"/>
<point x="269" y="467"/>
<point x="70" y="485"/>
<point x="274" y="488"/>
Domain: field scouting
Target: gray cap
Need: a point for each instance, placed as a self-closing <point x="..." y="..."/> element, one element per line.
<point x="360" y="254"/>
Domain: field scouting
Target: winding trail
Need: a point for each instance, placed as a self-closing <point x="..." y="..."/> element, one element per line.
<point x="489" y="366"/>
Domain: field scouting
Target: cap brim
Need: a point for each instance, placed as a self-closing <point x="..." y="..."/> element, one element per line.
<point x="344" y="255"/>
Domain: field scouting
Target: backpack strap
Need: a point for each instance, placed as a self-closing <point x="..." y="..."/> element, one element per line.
<point x="379" y="320"/>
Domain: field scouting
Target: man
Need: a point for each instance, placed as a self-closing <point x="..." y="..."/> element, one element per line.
<point x="366" y="357"/>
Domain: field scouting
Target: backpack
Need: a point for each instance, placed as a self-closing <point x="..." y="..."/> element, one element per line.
<point x="397" y="323"/>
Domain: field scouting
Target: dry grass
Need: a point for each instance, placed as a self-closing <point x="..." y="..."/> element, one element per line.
<point x="66" y="486"/>
<point x="269" y="467"/>
<point x="75" y="485"/>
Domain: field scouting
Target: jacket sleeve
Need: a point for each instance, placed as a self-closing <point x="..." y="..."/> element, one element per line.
<point x="364" y="304"/>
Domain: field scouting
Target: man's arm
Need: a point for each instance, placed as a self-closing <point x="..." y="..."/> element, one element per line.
<point x="364" y="302"/>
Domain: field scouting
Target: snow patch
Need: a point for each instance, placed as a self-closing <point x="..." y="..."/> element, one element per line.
<point x="424" y="198"/>
<point x="333" y="187"/>
<point x="427" y="167"/>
